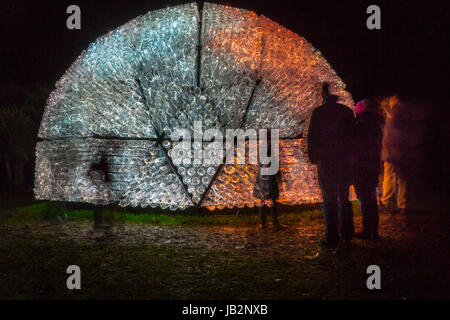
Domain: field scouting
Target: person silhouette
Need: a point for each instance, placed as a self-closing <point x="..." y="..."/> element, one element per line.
<point x="369" y="133"/>
<point x="99" y="175"/>
<point x="330" y="133"/>
<point x="267" y="190"/>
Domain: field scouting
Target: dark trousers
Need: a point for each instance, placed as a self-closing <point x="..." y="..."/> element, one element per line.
<point x="62" y="209"/>
<point x="273" y="212"/>
<point x="367" y="195"/>
<point x="98" y="216"/>
<point x="334" y="181"/>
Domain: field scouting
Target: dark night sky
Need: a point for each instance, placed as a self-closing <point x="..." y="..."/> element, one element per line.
<point x="409" y="54"/>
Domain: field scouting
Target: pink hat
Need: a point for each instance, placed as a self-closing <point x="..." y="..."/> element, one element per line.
<point x="360" y="107"/>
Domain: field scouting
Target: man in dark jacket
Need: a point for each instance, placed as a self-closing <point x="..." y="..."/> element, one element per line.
<point x="369" y="132"/>
<point x="330" y="134"/>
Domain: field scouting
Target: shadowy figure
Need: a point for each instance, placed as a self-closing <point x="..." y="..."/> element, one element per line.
<point x="330" y="135"/>
<point x="98" y="173"/>
<point x="267" y="189"/>
<point x="367" y="156"/>
<point x="402" y="150"/>
<point x="394" y="183"/>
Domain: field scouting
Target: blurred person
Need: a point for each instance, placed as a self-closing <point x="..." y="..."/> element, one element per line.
<point x="367" y="157"/>
<point x="330" y="134"/>
<point x="98" y="173"/>
<point x="394" y="185"/>
<point x="267" y="191"/>
<point x="402" y="150"/>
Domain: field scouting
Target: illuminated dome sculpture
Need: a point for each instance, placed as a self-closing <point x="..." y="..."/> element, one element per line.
<point x="123" y="96"/>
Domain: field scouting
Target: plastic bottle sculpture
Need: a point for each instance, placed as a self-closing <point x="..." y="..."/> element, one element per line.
<point x="123" y="97"/>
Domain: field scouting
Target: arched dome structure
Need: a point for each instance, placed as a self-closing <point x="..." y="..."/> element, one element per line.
<point x="123" y="97"/>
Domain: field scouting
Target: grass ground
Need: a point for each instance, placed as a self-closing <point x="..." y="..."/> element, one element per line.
<point x="17" y="213"/>
<point x="160" y="256"/>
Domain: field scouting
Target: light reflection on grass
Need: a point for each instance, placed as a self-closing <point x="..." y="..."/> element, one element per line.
<point x="15" y="212"/>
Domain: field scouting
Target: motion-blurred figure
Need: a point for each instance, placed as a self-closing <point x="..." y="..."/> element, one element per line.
<point x="267" y="189"/>
<point x="402" y="150"/>
<point x="330" y="134"/>
<point x="98" y="173"/>
<point x="367" y="156"/>
<point x="394" y="183"/>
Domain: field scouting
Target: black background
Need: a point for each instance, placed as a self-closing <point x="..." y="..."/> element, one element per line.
<point x="408" y="55"/>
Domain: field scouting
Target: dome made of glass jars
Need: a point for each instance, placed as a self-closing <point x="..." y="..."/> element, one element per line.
<point x="124" y="96"/>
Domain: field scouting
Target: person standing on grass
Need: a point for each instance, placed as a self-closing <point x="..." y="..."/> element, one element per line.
<point x="394" y="153"/>
<point x="369" y="133"/>
<point x="403" y="150"/>
<point x="267" y="190"/>
<point x="98" y="173"/>
<point x="330" y="135"/>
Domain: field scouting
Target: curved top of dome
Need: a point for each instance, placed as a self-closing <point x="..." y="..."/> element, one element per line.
<point x="227" y="67"/>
